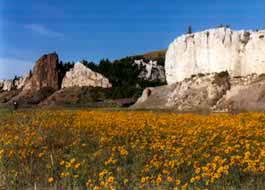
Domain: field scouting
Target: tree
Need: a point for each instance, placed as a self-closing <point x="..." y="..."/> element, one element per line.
<point x="190" y="29"/>
<point x="91" y="65"/>
<point x="15" y="78"/>
<point x="30" y="73"/>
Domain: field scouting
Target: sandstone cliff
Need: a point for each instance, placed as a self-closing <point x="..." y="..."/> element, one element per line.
<point x="215" y="50"/>
<point x="45" y="74"/>
<point x="36" y="86"/>
<point x="80" y="76"/>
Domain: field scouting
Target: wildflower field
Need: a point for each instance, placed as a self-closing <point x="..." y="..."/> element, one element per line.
<point x="87" y="150"/>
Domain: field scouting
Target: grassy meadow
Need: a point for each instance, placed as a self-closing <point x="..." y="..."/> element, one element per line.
<point x="107" y="150"/>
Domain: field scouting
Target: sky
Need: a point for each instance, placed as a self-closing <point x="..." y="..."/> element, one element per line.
<point x="92" y="30"/>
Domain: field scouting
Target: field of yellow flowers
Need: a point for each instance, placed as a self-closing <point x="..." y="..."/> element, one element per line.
<point x="94" y="150"/>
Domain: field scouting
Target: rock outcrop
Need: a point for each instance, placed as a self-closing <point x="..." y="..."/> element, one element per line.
<point x="81" y="76"/>
<point x="34" y="87"/>
<point x="45" y="74"/>
<point x="246" y="94"/>
<point x="151" y="71"/>
<point x="8" y="85"/>
<point x="215" y="50"/>
<point x="16" y="84"/>
<point x="21" y="81"/>
<point x="199" y="92"/>
<point x="216" y="92"/>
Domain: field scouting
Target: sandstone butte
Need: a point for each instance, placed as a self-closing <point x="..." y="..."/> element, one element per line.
<point x="216" y="50"/>
<point x="45" y="73"/>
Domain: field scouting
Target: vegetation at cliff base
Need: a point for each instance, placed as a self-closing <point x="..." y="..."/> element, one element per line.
<point x="131" y="150"/>
<point x="122" y="73"/>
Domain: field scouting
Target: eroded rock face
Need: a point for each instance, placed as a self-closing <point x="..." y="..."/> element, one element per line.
<point x="199" y="92"/>
<point x="145" y="95"/>
<point x="151" y="71"/>
<point x="45" y="74"/>
<point x="215" y="50"/>
<point x="21" y="81"/>
<point x="80" y="76"/>
<point x="15" y="84"/>
<point x="211" y="92"/>
<point x="8" y="85"/>
<point x="246" y="94"/>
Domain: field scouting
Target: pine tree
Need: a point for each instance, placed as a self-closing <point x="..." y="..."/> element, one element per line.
<point x="190" y="29"/>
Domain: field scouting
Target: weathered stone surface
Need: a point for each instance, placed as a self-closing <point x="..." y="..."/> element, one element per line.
<point x="15" y="84"/>
<point x="210" y="92"/>
<point x="145" y="95"/>
<point x="8" y="85"/>
<point x="215" y="50"/>
<point x="151" y="71"/>
<point x="45" y="73"/>
<point x="246" y="94"/>
<point x="80" y="76"/>
<point x="200" y="92"/>
<point x="21" y="81"/>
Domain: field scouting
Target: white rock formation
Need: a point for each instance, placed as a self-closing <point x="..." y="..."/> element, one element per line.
<point x="215" y="50"/>
<point x="8" y="85"/>
<point x="80" y="76"/>
<point x="21" y="81"/>
<point x="16" y="84"/>
<point x="151" y="71"/>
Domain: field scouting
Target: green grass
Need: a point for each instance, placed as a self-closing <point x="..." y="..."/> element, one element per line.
<point x="4" y="110"/>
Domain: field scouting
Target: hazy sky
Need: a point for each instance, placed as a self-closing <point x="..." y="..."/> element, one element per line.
<point x="88" y="29"/>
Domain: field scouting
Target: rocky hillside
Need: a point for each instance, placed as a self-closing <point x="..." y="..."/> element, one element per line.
<point x="54" y="83"/>
<point x="217" y="92"/>
<point x="199" y="92"/>
<point x="216" y="50"/>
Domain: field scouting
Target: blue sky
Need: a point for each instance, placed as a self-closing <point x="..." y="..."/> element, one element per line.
<point x="87" y="29"/>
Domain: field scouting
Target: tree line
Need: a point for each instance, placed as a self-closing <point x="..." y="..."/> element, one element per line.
<point x="122" y="74"/>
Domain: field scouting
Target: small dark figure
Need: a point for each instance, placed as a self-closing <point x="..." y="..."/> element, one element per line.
<point x="15" y="105"/>
<point x="190" y="30"/>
